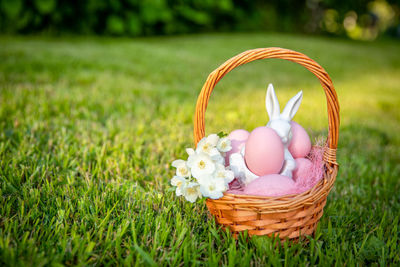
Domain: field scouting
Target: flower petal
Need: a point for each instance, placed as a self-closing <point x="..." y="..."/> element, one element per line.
<point x="213" y="139"/>
<point x="178" y="162"/>
<point x="190" y="151"/>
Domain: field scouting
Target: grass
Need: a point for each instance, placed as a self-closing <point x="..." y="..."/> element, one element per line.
<point x="89" y="126"/>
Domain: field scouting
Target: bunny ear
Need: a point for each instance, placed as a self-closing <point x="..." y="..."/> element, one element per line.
<point x="292" y="106"/>
<point x="271" y="103"/>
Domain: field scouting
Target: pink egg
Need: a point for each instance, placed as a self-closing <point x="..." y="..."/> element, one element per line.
<point x="238" y="139"/>
<point x="303" y="170"/>
<point x="270" y="185"/>
<point x="300" y="145"/>
<point x="264" y="151"/>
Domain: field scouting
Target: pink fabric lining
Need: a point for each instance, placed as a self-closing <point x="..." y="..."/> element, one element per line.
<point x="309" y="178"/>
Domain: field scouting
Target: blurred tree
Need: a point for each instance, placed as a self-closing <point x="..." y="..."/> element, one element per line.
<point x="360" y="19"/>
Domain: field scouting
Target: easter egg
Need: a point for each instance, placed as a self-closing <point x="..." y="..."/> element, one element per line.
<point x="303" y="170"/>
<point x="270" y="185"/>
<point x="264" y="152"/>
<point x="300" y="145"/>
<point x="238" y="139"/>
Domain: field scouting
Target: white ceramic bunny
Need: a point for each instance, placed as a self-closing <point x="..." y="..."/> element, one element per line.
<point x="239" y="168"/>
<point x="280" y="122"/>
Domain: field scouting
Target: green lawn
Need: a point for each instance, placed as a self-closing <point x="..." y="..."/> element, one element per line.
<point x="89" y="126"/>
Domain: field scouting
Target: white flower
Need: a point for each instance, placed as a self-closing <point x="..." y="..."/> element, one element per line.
<point x="191" y="192"/>
<point x="206" y="144"/>
<point x="212" y="188"/>
<point x="222" y="173"/>
<point x="203" y="146"/>
<point x="217" y="157"/>
<point x="201" y="165"/>
<point x="182" y="169"/>
<point x="180" y="184"/>
<point x="224" y="144"/>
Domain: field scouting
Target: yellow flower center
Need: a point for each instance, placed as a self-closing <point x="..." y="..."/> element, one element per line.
<point x="202" y="164"/>
<point x="191" y="191"/>
<point x="206" y="147"/>
<point x="211" y="187"/>
<point x="183" y="170"/>
<point x="179" y="184"/>
<point x="220" y="175"/>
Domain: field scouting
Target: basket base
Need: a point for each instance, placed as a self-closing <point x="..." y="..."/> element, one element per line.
<point x="289" y="217"/>
<point x="292" y="225"/>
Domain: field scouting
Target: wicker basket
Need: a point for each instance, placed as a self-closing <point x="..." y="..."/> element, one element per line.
<point x="289" y="217"/>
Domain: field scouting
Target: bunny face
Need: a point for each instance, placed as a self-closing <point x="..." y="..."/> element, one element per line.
<point x="283" y="129"/>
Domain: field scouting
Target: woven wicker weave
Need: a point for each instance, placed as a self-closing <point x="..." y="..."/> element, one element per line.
<point x="289" y="216"/>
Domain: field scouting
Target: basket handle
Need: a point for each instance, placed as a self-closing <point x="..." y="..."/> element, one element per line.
<point x="273" y="52"/>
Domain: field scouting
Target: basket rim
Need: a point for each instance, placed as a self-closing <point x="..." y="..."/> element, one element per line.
<point x="272" y="198"/>
<point x="282" y="203"/>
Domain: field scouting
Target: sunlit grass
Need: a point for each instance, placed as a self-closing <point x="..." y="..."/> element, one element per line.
<point x="88" y="127"/>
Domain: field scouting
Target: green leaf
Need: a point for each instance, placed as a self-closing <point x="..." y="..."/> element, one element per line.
<point x="222" y="134"/>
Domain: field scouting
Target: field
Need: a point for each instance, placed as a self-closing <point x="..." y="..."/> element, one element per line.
<point x="89" y="127"/>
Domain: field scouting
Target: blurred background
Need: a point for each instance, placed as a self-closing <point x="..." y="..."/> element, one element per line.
<point x="360" y="19"/>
